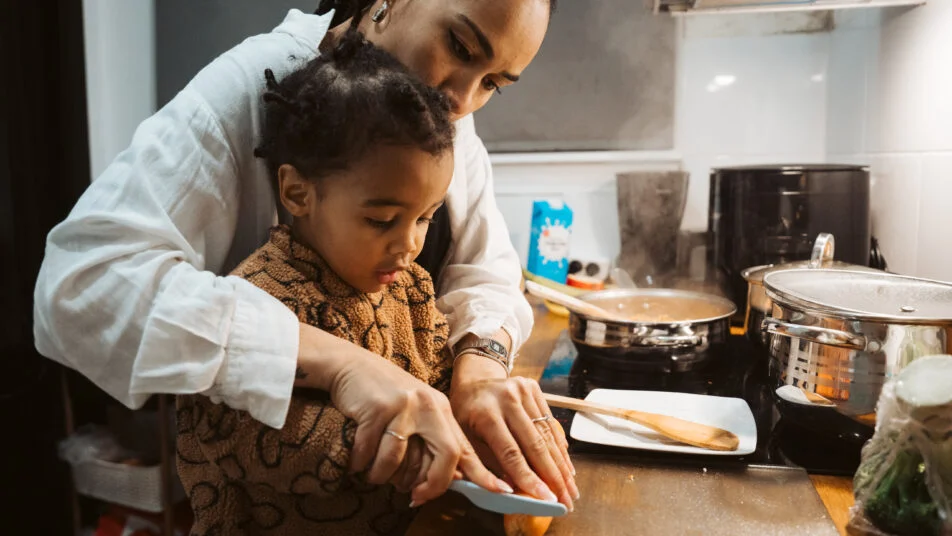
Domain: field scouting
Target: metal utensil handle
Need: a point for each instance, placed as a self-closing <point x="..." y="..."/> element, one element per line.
<point x="827" y="336"/>
<point x="822" y="250"/>
<point x="672" y="340"/>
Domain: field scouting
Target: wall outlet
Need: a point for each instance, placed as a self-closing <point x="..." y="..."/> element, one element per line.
<point x="597" y="268"/>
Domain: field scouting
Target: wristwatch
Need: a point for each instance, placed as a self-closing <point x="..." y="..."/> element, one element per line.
<point x="487" y="347"/>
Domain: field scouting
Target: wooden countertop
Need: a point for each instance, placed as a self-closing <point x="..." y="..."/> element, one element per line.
<point x="836" y="493"/>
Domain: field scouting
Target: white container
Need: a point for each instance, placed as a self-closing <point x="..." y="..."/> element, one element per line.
<point x="138" y="487"/>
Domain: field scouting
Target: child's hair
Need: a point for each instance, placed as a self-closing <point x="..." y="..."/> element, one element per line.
<point x="325" y="116"/>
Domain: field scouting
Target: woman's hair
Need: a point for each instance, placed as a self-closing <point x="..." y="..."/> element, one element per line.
<point x="325" y="116"/>
<point x="345" y="9"/>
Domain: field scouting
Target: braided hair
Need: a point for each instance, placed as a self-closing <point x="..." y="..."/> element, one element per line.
<point x="355" y="9"/>
<point x="325" y="116"/>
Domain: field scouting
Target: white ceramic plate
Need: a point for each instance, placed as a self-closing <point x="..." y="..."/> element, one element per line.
<point x="731" y="414"/>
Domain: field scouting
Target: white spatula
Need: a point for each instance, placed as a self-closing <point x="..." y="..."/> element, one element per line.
<point x="507" y="503"/>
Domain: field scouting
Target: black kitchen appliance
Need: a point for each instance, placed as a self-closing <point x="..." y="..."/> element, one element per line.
<point x="771" y="214"/>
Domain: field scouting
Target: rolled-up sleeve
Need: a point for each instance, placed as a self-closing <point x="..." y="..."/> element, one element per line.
<point x="481" y="284"/>
<point x="127" y="293"/>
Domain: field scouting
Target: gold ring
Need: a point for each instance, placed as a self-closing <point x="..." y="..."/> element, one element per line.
<point x="396" y="435"/>
<point x="542" y="419"/>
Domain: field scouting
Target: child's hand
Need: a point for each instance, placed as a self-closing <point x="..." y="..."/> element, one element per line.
<point x="416" y="463"/>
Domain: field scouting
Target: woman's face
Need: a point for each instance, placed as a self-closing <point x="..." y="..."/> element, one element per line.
<point x="369" y="222"/>
<point x="469" y="49"/>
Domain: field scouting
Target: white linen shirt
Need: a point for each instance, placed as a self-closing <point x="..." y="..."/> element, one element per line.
<point x="129" y="292"/>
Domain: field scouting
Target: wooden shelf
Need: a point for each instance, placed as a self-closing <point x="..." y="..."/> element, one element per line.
<point x="161" y="404"/>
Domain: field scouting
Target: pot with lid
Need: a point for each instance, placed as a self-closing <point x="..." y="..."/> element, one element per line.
<point x="759" y="304"/>
<point x="667" y="330"/>
<point x="841" y="334"/>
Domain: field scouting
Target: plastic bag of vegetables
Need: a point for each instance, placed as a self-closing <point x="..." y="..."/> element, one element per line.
<point x="904" y="482"/>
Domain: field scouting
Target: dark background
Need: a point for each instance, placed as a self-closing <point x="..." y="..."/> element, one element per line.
<point x="44" y="167"/>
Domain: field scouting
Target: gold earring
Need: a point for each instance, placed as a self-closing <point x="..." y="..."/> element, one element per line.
<point x="381" y="11"/>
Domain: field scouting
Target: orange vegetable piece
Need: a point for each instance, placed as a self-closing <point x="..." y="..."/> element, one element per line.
<point x="525" y="525"/>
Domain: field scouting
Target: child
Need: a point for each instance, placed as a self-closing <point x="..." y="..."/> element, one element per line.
<point x="361" y="156"/>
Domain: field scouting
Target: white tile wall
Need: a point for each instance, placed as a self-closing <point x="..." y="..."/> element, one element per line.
<point x="894" y="199"/>
<point x="746" y="97"/>
<point x="915" y="81"/>
<point x="875" y="90"/>
<point x="935" y="218"/>
<point x="895" y="63"/>
<point x="585" y="181"/>
<point x="852" y="64"/>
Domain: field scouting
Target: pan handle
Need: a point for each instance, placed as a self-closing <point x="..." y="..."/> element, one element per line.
<point x="827" y="336"/>
<point x="822" y="254"/>
<point x="672" y="340"/>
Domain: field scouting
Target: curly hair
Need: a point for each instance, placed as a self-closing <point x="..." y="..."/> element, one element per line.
<point x="325" y="116"/>
<point x="347" y="9"/>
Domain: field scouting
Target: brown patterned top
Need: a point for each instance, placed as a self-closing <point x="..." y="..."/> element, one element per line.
<point x="243" y="477"/>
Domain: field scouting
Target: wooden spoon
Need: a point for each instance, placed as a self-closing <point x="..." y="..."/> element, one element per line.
<point x="572" y="303"/>
<point x="690" y="433"/>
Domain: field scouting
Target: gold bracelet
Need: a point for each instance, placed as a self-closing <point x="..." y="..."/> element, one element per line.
<point x="476" y="351"/>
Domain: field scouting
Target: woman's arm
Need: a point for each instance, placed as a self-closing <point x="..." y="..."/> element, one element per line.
<point x="483" y="299"/>
<point x="128" y="293"/>
<point x="380" y="396"/>
<point x="479" y="288"/>
<point x="124" y="294"/>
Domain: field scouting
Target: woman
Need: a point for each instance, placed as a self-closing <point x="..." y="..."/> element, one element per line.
<point x="128" y="292"/>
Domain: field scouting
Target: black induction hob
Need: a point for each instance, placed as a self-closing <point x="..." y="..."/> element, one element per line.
<point x="742" y="373"/>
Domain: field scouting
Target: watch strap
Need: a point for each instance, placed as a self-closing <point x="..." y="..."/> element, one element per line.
<point x="476" y="351"/>
<point x="489" y="346"/>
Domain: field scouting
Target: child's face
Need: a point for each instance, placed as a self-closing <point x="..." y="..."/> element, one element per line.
<point x="369" y="222"/>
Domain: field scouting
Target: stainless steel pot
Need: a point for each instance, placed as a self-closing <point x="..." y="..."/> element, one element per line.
<point x="841" y="334"/>
<point x="759" y="304"/>
<point x="670" y="330"/>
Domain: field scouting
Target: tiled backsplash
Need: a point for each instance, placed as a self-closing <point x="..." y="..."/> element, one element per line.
<point x="873" y="90"/>
<point x="585" y="181"/>
<point x="892" y="85"/>
<point x="747" y="98"/>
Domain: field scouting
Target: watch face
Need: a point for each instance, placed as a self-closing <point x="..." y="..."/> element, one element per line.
<point x="497" y="347"/>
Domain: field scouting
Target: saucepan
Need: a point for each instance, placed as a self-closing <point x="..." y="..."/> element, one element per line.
<point x="841" y="334"/>
<point x="652" y="330"/>
<point x="759" y="303"/>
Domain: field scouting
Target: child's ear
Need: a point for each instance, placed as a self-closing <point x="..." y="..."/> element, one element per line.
<point x="294" y="190"/>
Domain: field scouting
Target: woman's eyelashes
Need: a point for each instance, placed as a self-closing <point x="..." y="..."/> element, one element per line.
<point x="462" y="53"/>
<point x="489" y="85"/>
<point x="458" y="48"/>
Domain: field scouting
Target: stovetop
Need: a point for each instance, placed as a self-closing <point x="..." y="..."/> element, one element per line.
<point x="741" y="373"/>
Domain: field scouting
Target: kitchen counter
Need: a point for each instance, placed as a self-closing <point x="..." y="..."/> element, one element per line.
<point x="448" y="513"/>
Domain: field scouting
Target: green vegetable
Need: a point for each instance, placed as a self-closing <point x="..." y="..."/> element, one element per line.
<point x="901" y="503"/>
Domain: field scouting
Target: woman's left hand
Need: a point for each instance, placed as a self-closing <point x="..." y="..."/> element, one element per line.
<point x="507" y="417"/>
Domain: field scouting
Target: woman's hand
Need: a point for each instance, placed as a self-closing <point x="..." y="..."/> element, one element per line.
<point x="391" y="408"/>
<point x="504" y="416"/>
